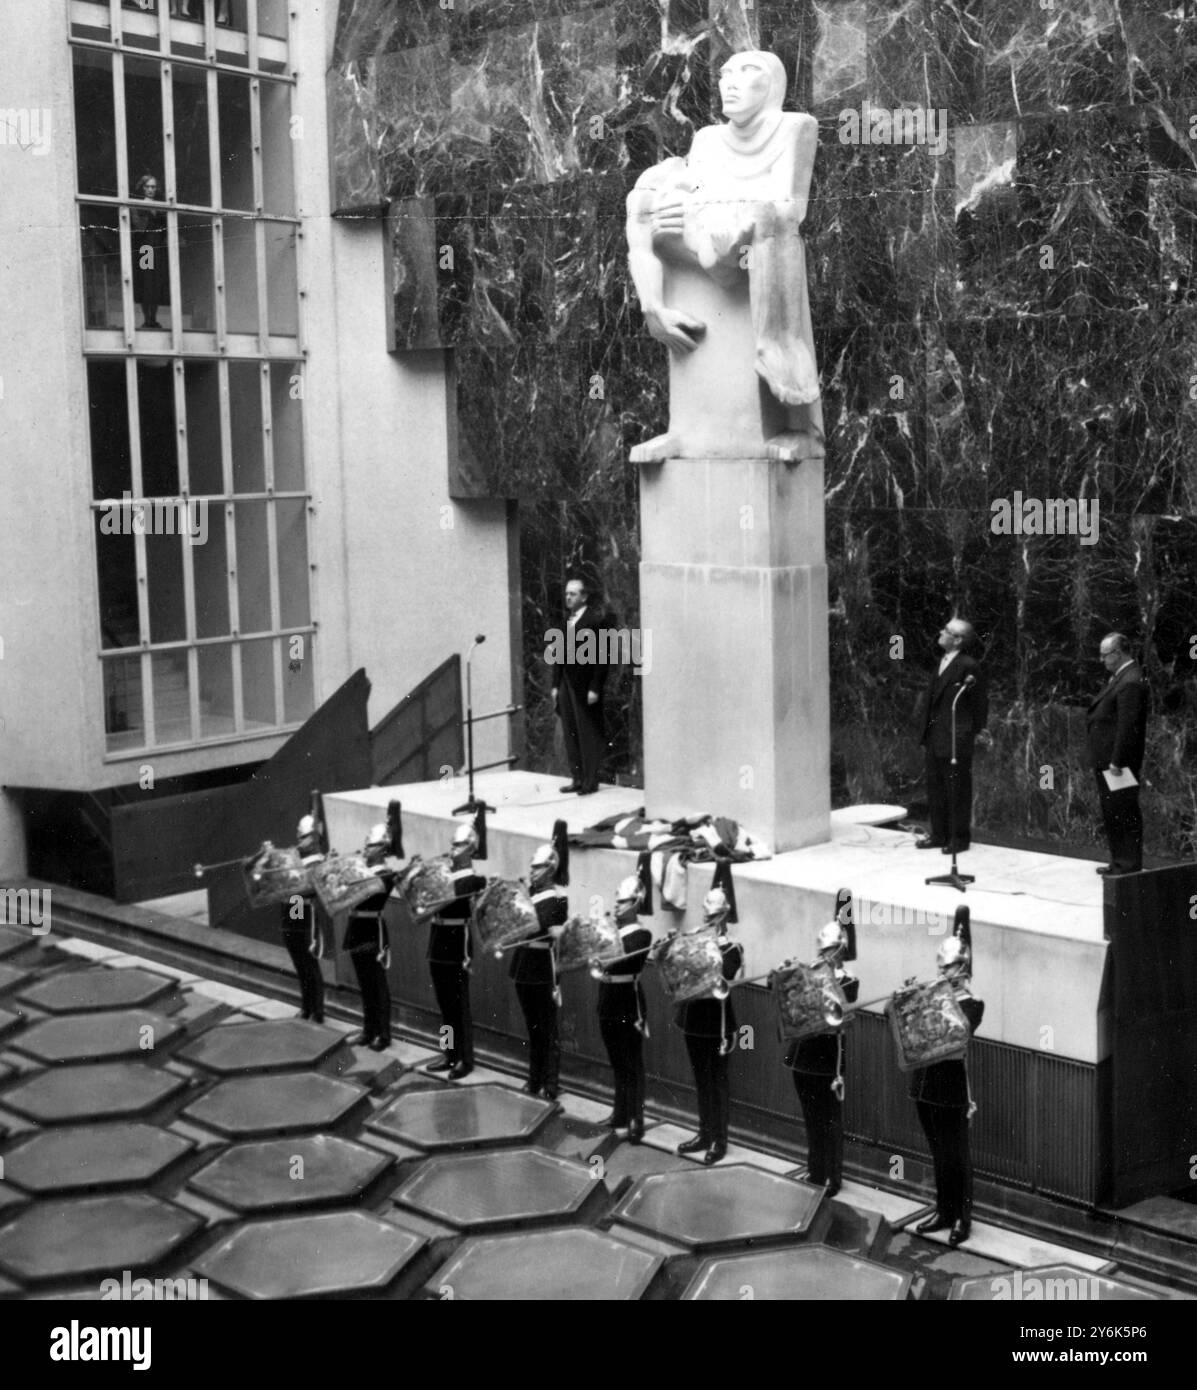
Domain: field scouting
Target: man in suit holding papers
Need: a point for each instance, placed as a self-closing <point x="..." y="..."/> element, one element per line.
<point x="1117" y="732"/>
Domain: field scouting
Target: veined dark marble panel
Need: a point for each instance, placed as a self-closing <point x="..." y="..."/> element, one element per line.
<point x="961" y="366"/>
<point x="926" y="53"/>
<point x="1040" y="605"/>
<point x="366" y="28"/>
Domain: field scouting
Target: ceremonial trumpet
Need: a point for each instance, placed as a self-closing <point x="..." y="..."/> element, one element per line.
<point x="598" y="970"/>
<point x="836" y="1015"/>
<point x="201" y="869"/>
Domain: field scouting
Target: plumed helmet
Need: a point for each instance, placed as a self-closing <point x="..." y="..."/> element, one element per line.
<point x="545" y="863"/>
<point x="380" y="835"/>
<point x="953" y="952"/>
<point x="465" y="837"/>
<point x="630" y="890"/>
<point x="832" y="937"/>
<point x="306" y="827"/>
<point x="715" y="906"/>
<point x="545" y="857"/>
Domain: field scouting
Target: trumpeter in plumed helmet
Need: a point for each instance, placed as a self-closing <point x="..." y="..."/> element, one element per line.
<point x="449" y="955"/>
<point x="943" y="1097"/>
<point x="533" y="968"/>
<point x="817" y="1063"/>
<point x="623" y="1022"/>
<point x="709" y="1025"/>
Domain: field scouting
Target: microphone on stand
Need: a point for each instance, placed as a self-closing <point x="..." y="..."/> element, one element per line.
<point x="473" y="805"/>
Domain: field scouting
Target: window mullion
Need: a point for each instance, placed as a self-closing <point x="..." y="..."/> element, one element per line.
<point x="263" y="289"/>
<point x="188" y="547"/>
<point x="213" y="105"/>
<point x="230" y="540"/>
<point x="175" y="273"/>
<point x="276" y="597"/>
<point x="139" y="554"/>
<point x="251" y="28"/>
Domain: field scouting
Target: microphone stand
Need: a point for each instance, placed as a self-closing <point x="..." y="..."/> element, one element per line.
<point x="473" y="804"/>
<point x="954" y="879"/>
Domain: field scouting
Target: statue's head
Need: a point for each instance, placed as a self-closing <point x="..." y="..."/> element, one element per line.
<point x="750" y="83"/>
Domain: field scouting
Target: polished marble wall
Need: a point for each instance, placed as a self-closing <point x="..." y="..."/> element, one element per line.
<point x="1006" y="310"/>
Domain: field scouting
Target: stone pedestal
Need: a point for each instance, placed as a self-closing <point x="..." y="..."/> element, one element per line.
<point x="733" y="588"/>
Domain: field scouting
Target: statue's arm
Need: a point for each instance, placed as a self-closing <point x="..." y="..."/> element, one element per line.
<point x="648" y="274"/>
<point x="678" y="331"/>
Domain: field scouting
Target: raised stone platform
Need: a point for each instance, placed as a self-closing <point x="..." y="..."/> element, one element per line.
<point x="1037" y="924"/>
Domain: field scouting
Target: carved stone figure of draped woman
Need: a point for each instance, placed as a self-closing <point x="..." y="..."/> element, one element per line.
<point x="716" y="255"/>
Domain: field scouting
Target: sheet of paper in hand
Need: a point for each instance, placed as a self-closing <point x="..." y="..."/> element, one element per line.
<point x="1120" y="781"/>
<point x="585" y="940"/>
<point x="427" y="886"/>
<point x="809" y="1001"/>
<point x="928" y="1025"/>
<point x="691" y="967"/>
<point x="504" y="915"/>
<point x="344" y="880"/>
<point x="274" y="875"/>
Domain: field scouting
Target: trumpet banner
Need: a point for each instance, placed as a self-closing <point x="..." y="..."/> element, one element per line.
<point x="427" y="886"/>
<point x="587" y="939"/>
<point x="691" y="966"/>
<point x="928" y="1025"/>
<point x="275" y="876"/>
<point x="504" y="915"/>
<point x="342" y="881"/>
<point x="805" y="994"/>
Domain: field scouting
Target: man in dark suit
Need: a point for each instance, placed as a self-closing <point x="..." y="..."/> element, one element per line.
<point x="1117" y="732"/>
<point x="950" y="789"/>
<point x="577" y="681"/>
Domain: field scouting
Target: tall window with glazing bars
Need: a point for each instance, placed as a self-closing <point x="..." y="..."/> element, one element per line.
<point x="193" y="340"/>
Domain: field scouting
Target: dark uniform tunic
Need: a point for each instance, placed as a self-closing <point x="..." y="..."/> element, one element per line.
<point x="448" y="959"/>
<point x="368" y="947"/>
<point x="816" y="1062"/>
<point x="710" y="1029"/>
<point x="941" y="1096"/>
<point x="304" y="939"/>
<point x="535" y="988"/>
<point x="621" y="1022"/>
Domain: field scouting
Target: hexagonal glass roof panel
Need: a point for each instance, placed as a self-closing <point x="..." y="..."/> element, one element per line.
<point x="291" y="1103"/>
<point x="809" y="1273"/>
<point x="463" y="1117"/>
<point x="91" y="1235"/>
<point x="1054" y="1282"/>
<point x="281" y="1044"/>
<point x="299" y="1171"/>
<point x="488" y="1189"/>
<point x="716" y="1206"/>
<point x="10" y="977"/>
<point x="339" y="1252"/>
<point x="84" y="1156"/>
<point x="12" y="940"/>
<point x="80" y="991"/>
<point x="575" y="1264"/>
<point x="82" y="1037"/>
<point x="108" y="1090"/>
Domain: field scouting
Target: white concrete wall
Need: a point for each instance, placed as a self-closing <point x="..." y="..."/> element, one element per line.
<point x="403" y="576"/>
<point x="51" y="699"/>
